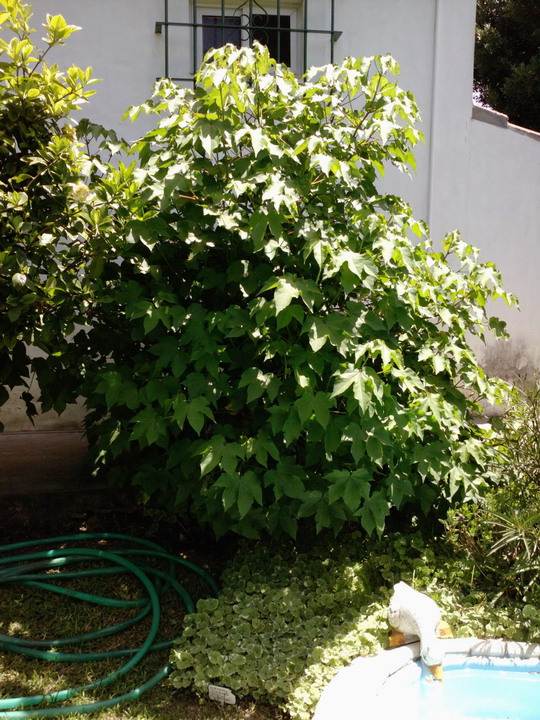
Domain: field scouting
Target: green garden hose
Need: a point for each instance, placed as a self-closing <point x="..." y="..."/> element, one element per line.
<point x="35" y="568"/>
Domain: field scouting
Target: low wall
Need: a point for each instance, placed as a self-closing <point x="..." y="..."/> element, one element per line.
<point x="39" y="462"/>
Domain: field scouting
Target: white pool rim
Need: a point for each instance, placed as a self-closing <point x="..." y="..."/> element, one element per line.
<point x="360" y="682"/>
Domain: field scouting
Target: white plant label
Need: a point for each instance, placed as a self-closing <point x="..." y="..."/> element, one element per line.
<point x="221" y="694"/>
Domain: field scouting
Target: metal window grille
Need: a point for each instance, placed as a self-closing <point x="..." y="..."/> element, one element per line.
<point x="241" y="22"/>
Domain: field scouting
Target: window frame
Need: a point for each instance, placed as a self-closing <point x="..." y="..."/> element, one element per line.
<point x="289" y="9"/>
<point x="189" y="16"/>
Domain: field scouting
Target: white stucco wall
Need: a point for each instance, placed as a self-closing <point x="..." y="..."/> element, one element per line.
<point x="118" y="41"/>
<point x="433" y="40"/>
<point x="405" y="30"/>
<point x="503" y="219"/>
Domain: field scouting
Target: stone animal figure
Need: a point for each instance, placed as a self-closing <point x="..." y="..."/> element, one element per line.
<point x="415" y="616"/>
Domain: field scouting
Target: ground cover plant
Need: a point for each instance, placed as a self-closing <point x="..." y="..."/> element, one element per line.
<point x="288" y="619"/>
<point x="268" y="345"/>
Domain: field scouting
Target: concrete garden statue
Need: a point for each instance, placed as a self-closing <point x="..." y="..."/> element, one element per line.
<point x="415" y="616"/>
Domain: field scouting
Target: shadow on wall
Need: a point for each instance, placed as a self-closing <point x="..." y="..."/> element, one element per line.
<point x="512" y="360"/>
<point x="13" y="415"/>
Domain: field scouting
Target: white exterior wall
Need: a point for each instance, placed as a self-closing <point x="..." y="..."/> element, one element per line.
<point x="118" y="40"/>
<point x="503" y="219"/>
<point x="481" y="178"/>
<point x="433" y="40"/>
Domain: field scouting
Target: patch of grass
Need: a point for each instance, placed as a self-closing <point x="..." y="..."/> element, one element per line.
<point x="29" y="612"/>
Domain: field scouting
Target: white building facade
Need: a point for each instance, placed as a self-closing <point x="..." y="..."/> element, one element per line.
<point x="476" y="172"/>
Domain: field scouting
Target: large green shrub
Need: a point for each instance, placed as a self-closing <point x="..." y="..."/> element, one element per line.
<point x="286" y="621"/>
<point x="47" y="232"/>
<point x="269" y="344"/>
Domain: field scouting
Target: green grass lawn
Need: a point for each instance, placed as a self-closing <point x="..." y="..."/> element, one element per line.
<point x="28" y="612"/>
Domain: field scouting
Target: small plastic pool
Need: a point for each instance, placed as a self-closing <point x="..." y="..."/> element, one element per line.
<point x="473" y="689"/>
<point x="484" y="679"/>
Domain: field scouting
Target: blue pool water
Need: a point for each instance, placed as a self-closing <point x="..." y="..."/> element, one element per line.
<point x="478" y="690"/>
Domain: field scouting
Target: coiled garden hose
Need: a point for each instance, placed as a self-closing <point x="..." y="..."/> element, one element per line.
<point x="35" y="568"/>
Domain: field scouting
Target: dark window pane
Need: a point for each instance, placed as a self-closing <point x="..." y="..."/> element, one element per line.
<point x="278" y="42"/>
<point x="214" y="37"/>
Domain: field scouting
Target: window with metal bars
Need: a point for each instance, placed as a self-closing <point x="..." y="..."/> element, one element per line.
<point x="270" y="30"/>
<point x="284" y="26"/>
